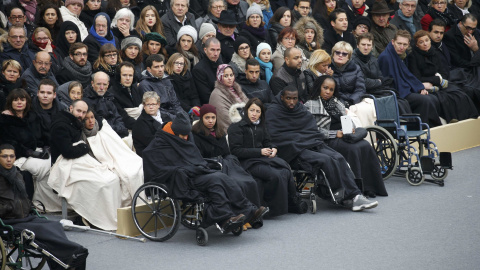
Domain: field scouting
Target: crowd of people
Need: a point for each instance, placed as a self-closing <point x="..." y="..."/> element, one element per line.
<point x="91" y="90"/>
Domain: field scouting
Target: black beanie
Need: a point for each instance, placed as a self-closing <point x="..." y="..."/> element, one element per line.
<point x="181" y="124"/>
<point x="362" y="20"/>
<point x="239" y="41"/>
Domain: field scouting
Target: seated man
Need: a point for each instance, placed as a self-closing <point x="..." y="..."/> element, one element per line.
<point x="290" y="73"/>
<point x="15" y="208"/>
<point x="173" y="157"/>
<point x="38" y="71"/>
<point x="16" y="47"/>
<point x="75" y="66"/>
<point x="251" y="83"/>
<point x="294" y="130"/>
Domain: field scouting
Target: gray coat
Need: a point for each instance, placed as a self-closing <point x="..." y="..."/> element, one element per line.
<point x="400" y="24"/>
<point x="171" y="26"/>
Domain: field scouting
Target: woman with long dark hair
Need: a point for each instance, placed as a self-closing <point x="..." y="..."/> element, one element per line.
<point x="186" y="39"/>
<point x="149" y="21"/>
<point x="50" y="18"/>
<point x="281" y="18"/>
<point x="108" y="60"/>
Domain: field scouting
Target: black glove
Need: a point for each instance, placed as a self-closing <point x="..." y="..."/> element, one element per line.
<point x="40" y="155"/>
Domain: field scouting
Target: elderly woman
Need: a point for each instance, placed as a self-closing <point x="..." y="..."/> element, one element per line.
<point x="240" y="56"/>
<point x="459" y="8"/>
<point x="68" y="34"/>
<point x="327" y="110"/>
<point x="438" y="9"/>
<point x="318" y="65"/>
<point x="131" y="52"/>
<point x="310" y="35"/>
<point x="215" y="8"/>
<point x="108" y="60"/>
<point x="149" y="122"/>
<point x="148" y="22"/>
<point x="288" y="38"/>
<point x="281" y="18"/>
<point x="71" y="12"/>
<point x="227" y="92"/>
<point x="425" y="63"/>
<point x="186" y="39"/>
<point x="154" y="43"/>
<point x="183" y="83"/>
<point x="50" y="18"/>
<point x="253" y="29"/>
<point x="91" y="9"/>
<point x="122" y="24"/>
<point x="42" y="41"/>
<point x="11" y="71"/>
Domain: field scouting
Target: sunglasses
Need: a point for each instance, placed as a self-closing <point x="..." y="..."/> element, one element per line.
<point x="338" y="53"/>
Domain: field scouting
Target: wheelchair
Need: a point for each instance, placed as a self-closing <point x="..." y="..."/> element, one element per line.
<point x="393" y="138"/>
<point x="158" y="216"/>
<point x="19" y="250"/>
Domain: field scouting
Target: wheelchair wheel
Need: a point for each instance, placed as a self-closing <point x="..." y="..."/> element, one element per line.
<point x="438" y="172"/>
<point x="415" y="176"/>
<point x="39" y="265"/>
<point x="156" y="217"/>
<point x="238" y="231"/>
<point x="3" y="255"/>
<point x="201" y="236"/>
<point x="189" y="218"/>
<point x="386" y="149"/>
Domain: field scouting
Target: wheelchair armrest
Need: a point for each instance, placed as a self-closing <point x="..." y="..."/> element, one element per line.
<point x="35" y="212"/>
<point x="4" y="227"/>
<point x="385" y="120"/>
<point x="410" y="114"/>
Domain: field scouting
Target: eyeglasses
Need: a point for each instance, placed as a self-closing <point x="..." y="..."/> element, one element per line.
<point x="179" y="64"/>
<point x="289" y="38"/>
<point x="244" y="48"/>
<point x="439" y="3"/>
<point x="112" y="55"/>
<point x="7" y="156"/>
<point x="151" y="105"/>
<point x="409" y="6"/>
<point x="468" y="27"/>
<point x="218" y="7"/>
<point x="338" y="53"/>
<point x="19" y="17"/>
<point x="362" y="26"/>
<point x="17" y="37"/>
<point x="81" y="54"/>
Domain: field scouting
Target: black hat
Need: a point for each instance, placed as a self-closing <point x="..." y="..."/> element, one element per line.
<point x="362" y="20"/>
<point x="228" y="17"/>
<point x="380" y="7"/>
<point x="239" y="41"/>
<point x="181" y="124"/>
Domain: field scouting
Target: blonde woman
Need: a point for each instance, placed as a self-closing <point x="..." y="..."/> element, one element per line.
<point x="318" y="65"/>
<point x="179" y="73"/>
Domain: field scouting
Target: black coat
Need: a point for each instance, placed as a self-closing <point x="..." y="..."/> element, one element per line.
<point x="5" y="88"/>
<point x="246" y="140"/>
<point x="254" y="36"/>
<point x="25" y="56"/>
<point x="286" y="76"/>
<point x="144" y="130"/>
<point x="94" y="46"/>
<point x="171" y="26"/>
<point x="186" y="90"/>
<point x="87" y="17"/>
<point x="13" y="204"/>
<point x="67" y="130"/>
<point x="350" y="83"/>
<point x="31" y="78"/>
<point x="161" y="6"/>
<point x="330" y="38"/>
<point x="24" y="134"/>
<point x="205" y="74"/>
<point x="457" y="47"/>
<point x="310" y="78"/>
<point x="123" y="99"/>
<point x="211" y="147"/>
<point x="46" y="116"/>
<point x="198" y="8"/>
<point x="371" y="70"/>
<point x="226" y="44"/>
<point x="424" y="65"/>
<point x="273" y="32"/>
<point x="104" y="106"/>
<point x="259" y="89"/>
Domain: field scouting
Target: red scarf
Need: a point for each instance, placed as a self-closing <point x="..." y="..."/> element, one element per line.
<point x="43" y="45"/>
<point x="360" y="10"/>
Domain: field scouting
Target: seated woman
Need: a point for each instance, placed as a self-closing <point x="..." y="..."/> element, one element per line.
<point x="318" y="65"/>
<point x="149" y="122"/>
<point x="281" y="18"/>
<point x="68" y="92"/>
<point x="215" y="8"/>
<point x="424" y="62"/>
<point x="438" y="9"/>
<point x="266" y="11"/>
<point x="108" y="60"/>
<point x="186" y="39"/>
<point x="254" y="29"/>
<point x="327" y="110"/>
<point x="288" y="38"/>
<point x="9" y="80"/>
<point x="68" y="34"/>
<point x="131" y="52"/>
<point x="154" y="43"/>
<point x="310" y="35"/>
<point x="250" y="142"/>
<point x="179" y="73"/>
<point x="50" y="18"/>
<point x="227" y="92"/>
<point x="240" y="56"/>
<point x="173" y="158"/>
<point x="149" y="22"/>
<point x="20" y="127"/>
<point x="212" y="143"/>
<point x="122" y="24"/>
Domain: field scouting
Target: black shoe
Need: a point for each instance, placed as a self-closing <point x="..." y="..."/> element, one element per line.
<point x="369" y="193"/>
<point x="256" y="220"/>
<point x="232" y="223"/>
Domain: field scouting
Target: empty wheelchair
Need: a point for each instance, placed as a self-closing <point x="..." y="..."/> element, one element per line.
<point x="158" y="216"/>
<point x="394" y="138"/>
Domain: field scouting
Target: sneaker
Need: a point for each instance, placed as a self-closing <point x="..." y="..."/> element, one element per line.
<point x="360" y="203"/>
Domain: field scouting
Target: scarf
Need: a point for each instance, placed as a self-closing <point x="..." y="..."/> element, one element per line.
<point x="193" y="59"/>
<point x="102" y="40"/>
<point x="30" y="9"/>
<point x="256" y="123"/>
<point x="342" y="68"/>
<point x="446" y="16"/>
<point x="267" y="67"/>
<point x="43" y="45"/>
<point x="110" y="71"/>
<point x="408" y="22"/>
<point x="11" y="176"/>
<point x="364" y="58"/>
<point x="260" y="32"/>
<point x="80" y="73"/>
<point x="329" y="10"/>
<point x="463" y="10"/>
<point x="332" y="109"/>
<point x="360" y="10"/>
<point x="239" y="61"/>
<point x="89" y="133"/>
<point x="158" y="117"/>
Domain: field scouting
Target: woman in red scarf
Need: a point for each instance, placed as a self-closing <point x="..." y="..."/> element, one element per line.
<point x="42" y="41"/>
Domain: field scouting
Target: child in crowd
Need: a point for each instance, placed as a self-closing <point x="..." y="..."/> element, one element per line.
<point x="264" y="55"/>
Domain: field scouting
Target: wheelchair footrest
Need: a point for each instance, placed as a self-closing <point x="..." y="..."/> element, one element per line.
<point x="427" y="164"/>
<point x="446" y="160"/>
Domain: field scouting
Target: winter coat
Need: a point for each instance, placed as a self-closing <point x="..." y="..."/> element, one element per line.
<point x="350" y="82"/>
<point x="46" y="116"/>
<point x="32" y="79"/>
<point x="94" y="47"/>
<point x="226" y="44"/>
<point x="25" y="56"/>
<point x="255" y="36"/>
<point x="400" y="24"/>
<point x="240" y="10"/>
<point x="259" y="89"/>
<point x="161" y="6"/>
<point x="12" y="204"/>
<point x="273" y="32"/>
<point x="371" y="71"/>
<point x="310" y="78"/>
<point x="424" y="65"/>
<point x="285" y="76"/>
<point x="171" y="26"/>
<point x="144" y="130"/>
<point x="205" y="74"/>
<point x="222" y="98"/>
<point x="57" y="61"/>
<point x="382" y="36"/>
<point x="186" y="91"/>
<point x="211" y="147"/>
<point x="457" y="13"/>
<point x="198" y="8"/>
<point x="67" y="15"/>
<point x="462" y="55"/>
<point x="123" y="99"/>
<point x="331" y="38"/>
<point x="24" y="134"/>
<point x="300" y="27"/>
<point x="87" y="17"/>
<point x="246" y="140"/>
<point x="278" y="58"/>
<point x="104" y="106"/>
<point x="67" y="130"/>
<point x="208" y="18"/>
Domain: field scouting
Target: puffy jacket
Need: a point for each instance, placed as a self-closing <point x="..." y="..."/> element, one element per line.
<point x="259" y="89"/>
<point x="350" y="83"/>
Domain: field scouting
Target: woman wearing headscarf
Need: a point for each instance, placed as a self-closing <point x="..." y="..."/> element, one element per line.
<point x="68" y="34"/>
<point x="98" y="35"/>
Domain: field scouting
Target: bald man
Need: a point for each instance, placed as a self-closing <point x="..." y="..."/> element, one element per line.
<point x="38" y="71"/>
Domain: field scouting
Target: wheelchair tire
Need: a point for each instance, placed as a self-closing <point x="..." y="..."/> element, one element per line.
<point x="385" y="147"/>
<point x="439" y="173"/>
<point x="3" y="255"/>
<point x="314" y="206"/>
<point x="415" y="176"/>
<point x="39" y="266"/>
<point x="156" y="218"/>
<point x="238" y="231"/>
<point x="201" y="236"/>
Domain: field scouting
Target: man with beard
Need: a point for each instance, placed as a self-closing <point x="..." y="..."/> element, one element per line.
<point x="39" y="71"/>
<point x="99" y="35"/>
<point x="290" y="74"/>
<point x="75" y="66"/>
<point x="294" y="130"/>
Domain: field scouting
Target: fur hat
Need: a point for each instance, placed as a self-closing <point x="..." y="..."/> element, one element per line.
<point x="205" y="29"/>
<point x="181" y="124"/>
<point x="309" y="23"/>
<point x="207" y="108"/>
<point x="131" y="40"/>
<point x="69" y="2"/>
<point x="254" y="9"/>
<point x="262" y="46"/>
<point x="235" y="112"/>
<point x="187" y="30"/>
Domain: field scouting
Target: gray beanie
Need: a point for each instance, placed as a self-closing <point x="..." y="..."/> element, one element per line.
<point x="187" y="30"/>
<point x="129" y="41"/>
<point x="263" y="46"/>
<point x="205" y="29"/>
<point x="254" y="9"/>
<point x="181" y="124"/>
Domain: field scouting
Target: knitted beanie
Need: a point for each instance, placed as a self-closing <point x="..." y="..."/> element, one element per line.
<point x="181" y="124"/>
<point x="131" y="40"/>
<point x="254" y="9"/>
<point x="207" y="108"/>
<point x="187" y="30"/>
<point x="362" y="20"/>
<point x="69" y="2"/>
<point x="156" y="37"/>
<point x="262" y="46"/>
<point x="239" y="41"/>
<point x="205" y="29"/>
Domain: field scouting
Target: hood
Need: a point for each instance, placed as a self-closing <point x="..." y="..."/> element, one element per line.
<point x="300" y="27"/>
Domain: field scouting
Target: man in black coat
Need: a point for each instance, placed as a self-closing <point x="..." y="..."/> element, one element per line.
<point x="226" y="34"/>
<point x="175" y="18"/>
<point x="338" y="31"/>
<point x="290" y="74"/>
<point x="67" y="130"/>
<point x="463" y="42"/>
<point x="251" y="84"/>
<point x="40" y="70"/>
<point x="16" y="47"/>
<point x="205" y="72"/>
<point x="102" y="103"/>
